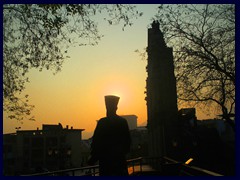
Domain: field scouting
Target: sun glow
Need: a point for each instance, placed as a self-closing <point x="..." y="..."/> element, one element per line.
<point x="118" y="89"/>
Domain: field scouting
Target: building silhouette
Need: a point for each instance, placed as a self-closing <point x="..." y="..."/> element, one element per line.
<point x="32" y="151"/>
<point x="161" y="95"/>
<point x="139" y="142"/>
<point x="131" y="120"/>
<point x="178" y="134"/>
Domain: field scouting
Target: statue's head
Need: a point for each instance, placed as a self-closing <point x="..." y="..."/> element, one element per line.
<point x="111" y="103"/>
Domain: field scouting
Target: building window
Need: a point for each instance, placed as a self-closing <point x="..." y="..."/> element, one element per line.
<point x="51" y="141"/>
<point x="63" y="139"/>
<point x="37" y="142"/>
<point x="26" y="141"/>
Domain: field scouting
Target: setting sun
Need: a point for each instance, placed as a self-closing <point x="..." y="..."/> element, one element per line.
<point x="118" y="89"/>
<point x="75" y="96"/>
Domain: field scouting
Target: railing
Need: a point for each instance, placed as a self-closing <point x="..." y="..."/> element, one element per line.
<point x="183" y="169"/>
<point x="88" y="170"/>
<point x="82" y="171"/>
<point x="167" y="166"/>
<point x="133" y="162"/>
<point x="196" y="171"/>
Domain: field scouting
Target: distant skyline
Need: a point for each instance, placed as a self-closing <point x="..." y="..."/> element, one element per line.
<point x="75" y="96"/>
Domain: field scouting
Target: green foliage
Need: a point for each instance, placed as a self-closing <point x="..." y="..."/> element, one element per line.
<point x="39" y="35"/>
<point x="203" y="38"/>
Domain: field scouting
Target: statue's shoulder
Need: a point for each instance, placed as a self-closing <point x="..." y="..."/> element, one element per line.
<point x="121" y="119"/>
<point x="102" y="120"/>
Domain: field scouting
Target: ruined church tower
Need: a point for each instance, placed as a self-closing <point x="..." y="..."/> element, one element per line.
<point x="161" y="95"/>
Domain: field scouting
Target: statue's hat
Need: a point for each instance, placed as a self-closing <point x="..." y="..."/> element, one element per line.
<point x="111" y="101"/>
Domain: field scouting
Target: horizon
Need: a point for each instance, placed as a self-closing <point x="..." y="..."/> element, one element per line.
<point x="75" y="96"/>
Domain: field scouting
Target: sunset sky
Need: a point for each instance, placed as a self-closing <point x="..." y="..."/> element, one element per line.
<point x="75" y="96"/>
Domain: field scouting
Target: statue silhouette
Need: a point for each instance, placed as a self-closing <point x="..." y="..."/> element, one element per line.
<point x="111" y="142"/>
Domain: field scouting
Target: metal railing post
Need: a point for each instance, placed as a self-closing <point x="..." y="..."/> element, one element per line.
<point x="140" y="165"/>
<point x="133" y="166"/>
<point x="94" y="172"/>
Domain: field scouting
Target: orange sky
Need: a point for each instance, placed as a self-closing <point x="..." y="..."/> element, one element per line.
<point x="75" y="96"/>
